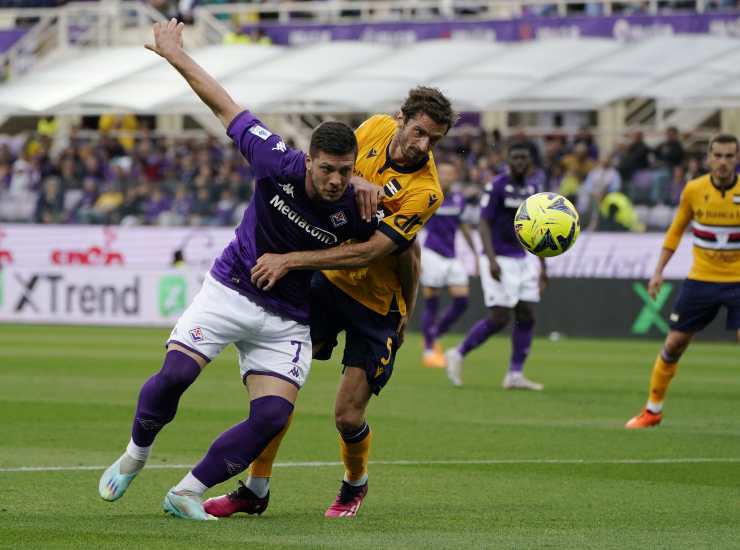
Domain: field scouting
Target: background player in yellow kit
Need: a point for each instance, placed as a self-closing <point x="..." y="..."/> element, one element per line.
<point x="371" y="304"/>
<point x="711" y="204"/>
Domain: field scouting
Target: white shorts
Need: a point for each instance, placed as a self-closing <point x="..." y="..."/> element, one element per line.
<point x="519" y="281"/>
<point x="266" y="343"/>
<point x="439" y="272"/>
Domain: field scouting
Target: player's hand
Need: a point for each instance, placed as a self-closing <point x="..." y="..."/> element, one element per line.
<point x="495" y="270"/>
<point x="401" y="330"/>
<point x="368" y="196"/>
<point x="268" y="270"/>
<point x="656" y="281"/>
<point x="167" y="38"/>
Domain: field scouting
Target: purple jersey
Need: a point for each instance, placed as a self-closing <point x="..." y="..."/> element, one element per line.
<point x="441" y="228"/>
<point x="499" y="203"/>
<point x="282" y="218"/>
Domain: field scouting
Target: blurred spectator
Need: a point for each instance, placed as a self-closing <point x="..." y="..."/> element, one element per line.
<point x="157" y="203"/>
<point x="603" y="179"/>
<point x="203" y="208"/>
<point x="636" y="157"/>
<point x="670" y="153"/>
<point x="584" y="135"/>
<point x="107" y="204"/>
<point x="618" y="214"/>
<point x="123" y="125"/>
<point x="576" y="166"/>
<point x="50" y="204"/>
<point x="83" y="210"/>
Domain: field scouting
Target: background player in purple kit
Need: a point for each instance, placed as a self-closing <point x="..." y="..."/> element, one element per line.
<point x="301" y="202"/>
<point x="510" y="281"/>
<point x="441" y="268"/>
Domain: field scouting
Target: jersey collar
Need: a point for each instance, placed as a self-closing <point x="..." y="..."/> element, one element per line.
<point x="390" y="163"/>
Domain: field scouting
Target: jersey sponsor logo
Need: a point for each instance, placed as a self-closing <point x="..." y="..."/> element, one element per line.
<point x="280" y="146"/>
<point x="449" y="210"/>
<point x="432" y="199"/>
<point x="317" y="233"/>
<point x="407" y="223"/>
<point x="338" y="218"/>
<point x="513" y="202"/>
<point x="196" y="334"/>
<point x="392" y="187"/>
<point x="260" y="131"/>
<point x="371" y="153"/>
<point x="288" y="189"/>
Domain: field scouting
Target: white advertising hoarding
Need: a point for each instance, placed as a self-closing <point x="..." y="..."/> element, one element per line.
<point x="599" y="255"/>
<point x="96" y="295"/>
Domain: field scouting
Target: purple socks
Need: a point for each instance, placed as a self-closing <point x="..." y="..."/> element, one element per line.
<point x="457" y="308"/>
<point x="233" y="451"/>
<point x="160" y="395"/>
<point x="479" y="334"/>
<point x="521" y="341"/>
<point x="432" y="330"/>
<point x="428" y="317"/>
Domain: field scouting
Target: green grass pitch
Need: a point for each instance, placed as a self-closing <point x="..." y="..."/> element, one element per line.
<point x="471" y="467"/>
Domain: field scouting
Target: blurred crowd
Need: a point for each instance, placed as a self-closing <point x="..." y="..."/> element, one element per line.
<point x="123" y="180"/>
<point x="634" y="187"/>
<point x="123" y="174"/>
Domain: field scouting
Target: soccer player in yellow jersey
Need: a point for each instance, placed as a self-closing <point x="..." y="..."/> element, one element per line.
<point x="367" y="290"/>
<point x="711" y="204"/>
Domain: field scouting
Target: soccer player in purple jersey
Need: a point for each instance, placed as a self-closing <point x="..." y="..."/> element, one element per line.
<point x="510" y="281"/>
<point x="441" y="268"/>
<point x="301" y="202"/>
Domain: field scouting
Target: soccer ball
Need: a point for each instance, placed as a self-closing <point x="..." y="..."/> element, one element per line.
<point x="547" y="224"/>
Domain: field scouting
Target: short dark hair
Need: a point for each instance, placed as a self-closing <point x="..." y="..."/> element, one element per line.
<point x="518" y="145"/>
<point x="431" y="102"/>
<point x="334" y="138"/>
<point x="723" y="138"/>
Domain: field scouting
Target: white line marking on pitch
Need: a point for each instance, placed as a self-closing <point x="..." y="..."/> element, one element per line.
<point x="535" y="461"/>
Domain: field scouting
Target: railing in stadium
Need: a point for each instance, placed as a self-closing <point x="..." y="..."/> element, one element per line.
<point x="336" y="11"/>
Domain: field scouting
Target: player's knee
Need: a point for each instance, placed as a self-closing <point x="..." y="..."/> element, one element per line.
<point x="348" y="420"/>
<point x="524" y="317"/>
<point x="270" y="414"/>
<point x="500" y="316"/>
<point x="675" y="345"/>
<point x="179" y="370"/>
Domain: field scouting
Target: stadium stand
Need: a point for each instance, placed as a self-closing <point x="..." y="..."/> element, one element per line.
<point x="555" y="94"/>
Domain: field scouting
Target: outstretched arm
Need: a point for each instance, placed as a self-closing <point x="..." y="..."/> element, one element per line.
<point x="168" y="44"/>
<point x="270" y="268"/>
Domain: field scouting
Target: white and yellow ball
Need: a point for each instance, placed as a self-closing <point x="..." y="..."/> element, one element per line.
<point x="547" y="224"/>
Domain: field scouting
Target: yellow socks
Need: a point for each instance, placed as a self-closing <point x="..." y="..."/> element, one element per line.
<point x="355" y="450"/>
<point x="663" y="373"/>
<point x="262" y="465"/>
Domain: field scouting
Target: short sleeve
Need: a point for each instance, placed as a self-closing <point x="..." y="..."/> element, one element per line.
<point x="488" y="202"/>
<point x="266" y="152"/>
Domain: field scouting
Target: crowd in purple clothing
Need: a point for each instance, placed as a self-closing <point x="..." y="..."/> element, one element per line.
<point x="159" y="181"/>
<point x="187" y="181"/>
